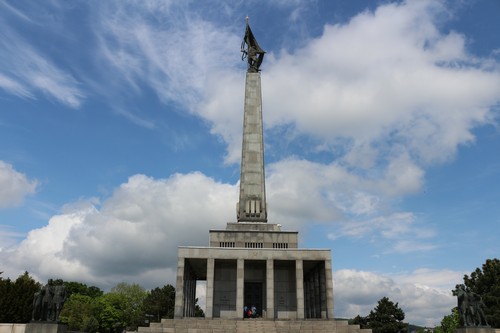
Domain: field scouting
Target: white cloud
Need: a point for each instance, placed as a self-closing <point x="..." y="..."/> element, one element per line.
<point x="301" y="192"/>
<point x="14" y="186"/>
<point x="14" y="87"/>
<point x="26" y="71"/>
<point x="402" y="94"/>
<point x="389" y="81"/>
<point x="132" y="236"/>
<point x="177" y="60"/>
<point x="425" y="300"/>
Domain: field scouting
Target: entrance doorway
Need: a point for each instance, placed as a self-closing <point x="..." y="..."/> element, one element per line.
<point x="253" y="296"/>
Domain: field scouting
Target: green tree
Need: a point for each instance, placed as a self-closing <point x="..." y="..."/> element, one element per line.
<point x="198" y="312"/>
<point x="5" y="291"/>
<point x="358" y="320"/>
<point x="109" y="317"/>
<point x="16" y="303"/>
<point x="387" y="317"/>
<point x="486" y="282"/>
<point x="160" y="302"/>
<point x="449" y="323"/>
<point x="78" y="311"/>
<point x="128" y="299"/>
<point x="82" y="289"/>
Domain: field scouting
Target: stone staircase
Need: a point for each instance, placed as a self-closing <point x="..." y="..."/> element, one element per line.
<point x="201" y="325"/>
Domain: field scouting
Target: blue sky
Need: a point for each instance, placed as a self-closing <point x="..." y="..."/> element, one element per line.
<point x="120" y="138"/>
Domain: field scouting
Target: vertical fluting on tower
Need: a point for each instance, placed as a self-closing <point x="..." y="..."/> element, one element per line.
<point x="252" y="204"/>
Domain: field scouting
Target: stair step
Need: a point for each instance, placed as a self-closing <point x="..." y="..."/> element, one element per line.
<point x="201" y="325"/>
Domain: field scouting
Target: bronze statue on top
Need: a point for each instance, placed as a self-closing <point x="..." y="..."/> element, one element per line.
<point x="253" y="52"/>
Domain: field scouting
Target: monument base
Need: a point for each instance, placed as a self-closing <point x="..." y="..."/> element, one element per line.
<point x="480" y="329"/>
<point x="45" y="327"/>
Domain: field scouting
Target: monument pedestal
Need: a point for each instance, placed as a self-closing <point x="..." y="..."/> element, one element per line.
<point x="480" y="329"/>
<point x="45" y="327"/>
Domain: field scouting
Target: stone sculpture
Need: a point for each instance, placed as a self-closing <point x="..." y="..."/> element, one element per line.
<point x="48" y="302"/>
<point x="470" y="307"/>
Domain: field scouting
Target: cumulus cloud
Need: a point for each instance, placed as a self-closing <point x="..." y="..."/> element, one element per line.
<point x="133" y="235"/>
<point x="302" y="192"/>
<point x="390" y="83"/>
<point x="357" y="292"/>
<point x="14" y="186"/>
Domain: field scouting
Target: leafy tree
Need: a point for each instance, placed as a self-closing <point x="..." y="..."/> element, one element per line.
<point x="486" y="282"/>
<point x="160" y="302"/>
<point x="82" y="289"/>
<point x="198" y="312"/>
<point x="387" y="317"/>
<point x="128" y="299"/>
<point x="5" y="291"/>
<point x="16" y="303"/>
<point x="109" y="317"/>
<point x="449" y="323"/>
<point x="78" y="311"/>
<point x="358" y="320"/>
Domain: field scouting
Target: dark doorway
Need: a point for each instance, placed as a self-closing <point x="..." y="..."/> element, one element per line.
<point x="253" y="296"/>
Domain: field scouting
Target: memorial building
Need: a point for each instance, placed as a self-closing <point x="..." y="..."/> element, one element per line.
<point x="254" y="263"/>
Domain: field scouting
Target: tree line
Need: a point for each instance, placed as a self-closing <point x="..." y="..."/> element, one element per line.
<point x="88" y="308"/>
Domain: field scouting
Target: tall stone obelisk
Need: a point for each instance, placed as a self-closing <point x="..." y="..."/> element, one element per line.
<point x="252" y="204"/>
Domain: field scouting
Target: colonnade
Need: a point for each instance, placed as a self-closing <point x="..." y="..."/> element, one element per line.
<point x="287" y="292"/>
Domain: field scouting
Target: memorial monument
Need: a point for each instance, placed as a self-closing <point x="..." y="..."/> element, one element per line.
<point x="253" y="269"/>
<point x="253" y="263"/>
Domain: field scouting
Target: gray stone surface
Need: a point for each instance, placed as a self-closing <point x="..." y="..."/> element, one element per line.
<point x="12" y="328"/>
<point x="254" y="235"/>
<point x="45" y="327"/>
<point x="282" y="285"/>
<point x="475" y="330"/>
<point x="193" y="325"/>
<point x="252" y="204"/>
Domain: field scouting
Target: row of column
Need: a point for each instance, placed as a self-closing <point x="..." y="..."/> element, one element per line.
<point x="311" y="290"/>
<point x="189" y="290"/>
<point x="240" y="284"/>
<point x="315" y="292"/>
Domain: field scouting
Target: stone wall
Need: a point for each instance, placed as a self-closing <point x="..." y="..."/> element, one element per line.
<point x="12" y="328"/>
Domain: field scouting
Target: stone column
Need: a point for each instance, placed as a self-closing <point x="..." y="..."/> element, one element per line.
<point x="322" y="286"/>
<point x="210" y="288"/>
<point x="179" y="289"/>
<point x="192" y="294"/>
<point x="317" y="296"/>
<point x="329" y="289"/>
<point x="188" y="297"/>
<point x="270" y="288"/>
<point x="240" y="285"/>
<point x="299" y="277"/>
<point x="309" y="285"/>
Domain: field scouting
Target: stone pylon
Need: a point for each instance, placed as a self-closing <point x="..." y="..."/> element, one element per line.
<point x="252" y="204"/>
